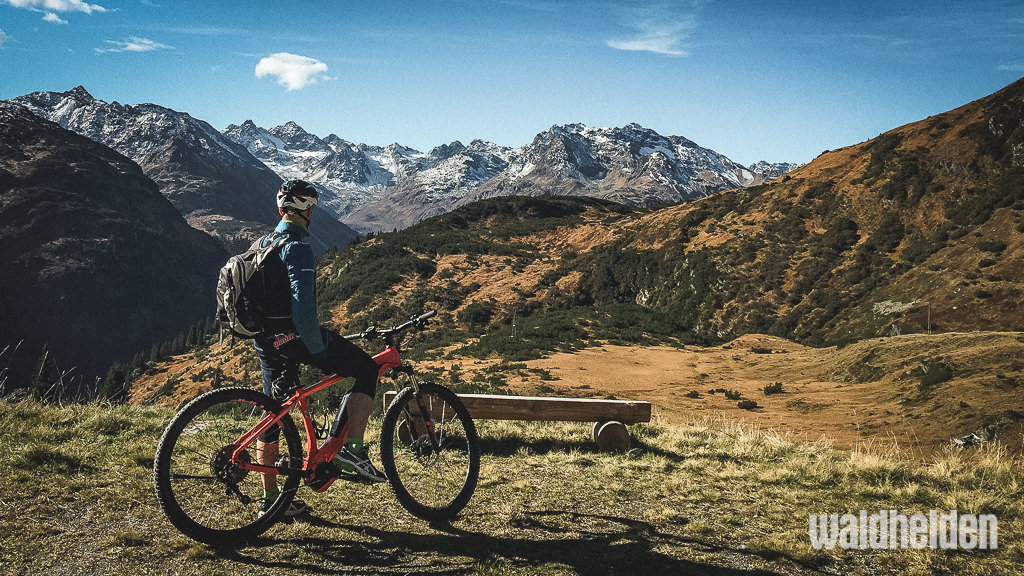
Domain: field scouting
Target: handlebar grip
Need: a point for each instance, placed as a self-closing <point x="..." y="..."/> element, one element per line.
<point x="370" y="332"/>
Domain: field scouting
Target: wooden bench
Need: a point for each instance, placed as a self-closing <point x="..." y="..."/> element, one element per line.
<point x="610" y="417"/>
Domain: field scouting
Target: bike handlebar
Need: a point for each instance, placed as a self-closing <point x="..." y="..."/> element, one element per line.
<point x="417" y="322"/>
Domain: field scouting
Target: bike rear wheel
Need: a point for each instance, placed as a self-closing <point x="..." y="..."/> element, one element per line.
<point x="433" y="482"/>
<point x="201" y="488"/>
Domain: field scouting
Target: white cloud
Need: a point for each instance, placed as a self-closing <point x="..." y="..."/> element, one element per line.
<point x="133" y="44"/>
<point x="659" y="28"/>
<point x="57" y="6"/>
<point x="52" y="17"/>
<point x="1011" y="68"/>
<point x="3" y="37"/>
<point x="294" y="72"/>
<point x="657" y="41"/>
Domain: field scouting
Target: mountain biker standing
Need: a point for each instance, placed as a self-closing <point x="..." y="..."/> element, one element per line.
<point x="293" y="336"/>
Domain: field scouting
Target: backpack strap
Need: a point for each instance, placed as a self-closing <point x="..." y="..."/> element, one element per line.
<point x="277" y="240"/>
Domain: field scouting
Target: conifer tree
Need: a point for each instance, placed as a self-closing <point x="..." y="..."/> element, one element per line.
<point x="190" y="341"/>
<point x="45" y="378"/>
<point x="115" y="385"/>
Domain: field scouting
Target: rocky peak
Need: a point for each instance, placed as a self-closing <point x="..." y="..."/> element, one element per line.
<point x="373" y="187"/>
<point x="208" y="177"/>
<point x="79" y="93"/>
<point x="296" y="137"/>
<point x="445" y="151"/>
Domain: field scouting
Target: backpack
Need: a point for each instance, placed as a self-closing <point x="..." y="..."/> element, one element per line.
<point x="241" y="286"/>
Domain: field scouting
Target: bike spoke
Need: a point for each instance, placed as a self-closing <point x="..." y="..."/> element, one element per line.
<point x="205" y="486"/>
<point x="433" y="472"/>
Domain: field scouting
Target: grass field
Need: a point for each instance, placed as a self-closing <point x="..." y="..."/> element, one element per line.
<point x="76" y="497"/>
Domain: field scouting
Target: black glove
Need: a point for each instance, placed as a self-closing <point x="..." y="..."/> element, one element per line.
<point x="284" y="386"/>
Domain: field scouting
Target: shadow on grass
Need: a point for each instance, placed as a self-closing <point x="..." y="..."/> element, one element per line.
<point x="587" y="544"/>
<point x="510" y="445"/>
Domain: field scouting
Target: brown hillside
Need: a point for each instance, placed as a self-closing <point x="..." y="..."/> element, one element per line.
<point x="929" y="216"/>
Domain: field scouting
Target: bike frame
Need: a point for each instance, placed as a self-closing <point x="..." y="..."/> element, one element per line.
<point x="390" y="358"/>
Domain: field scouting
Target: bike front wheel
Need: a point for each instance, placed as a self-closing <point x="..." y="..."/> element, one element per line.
<point x="433" y="475"/>
<point x="200" y="485"/>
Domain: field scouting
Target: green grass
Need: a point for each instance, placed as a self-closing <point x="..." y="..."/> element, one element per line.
<point x="76" y="497"/>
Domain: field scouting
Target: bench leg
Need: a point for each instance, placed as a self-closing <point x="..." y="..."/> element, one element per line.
<point x="611" y="436"/>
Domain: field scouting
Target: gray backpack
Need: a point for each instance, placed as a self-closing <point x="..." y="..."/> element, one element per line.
<point x="241" y="289"/>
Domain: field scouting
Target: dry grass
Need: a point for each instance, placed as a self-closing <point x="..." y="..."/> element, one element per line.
<point x="709" y="496"/>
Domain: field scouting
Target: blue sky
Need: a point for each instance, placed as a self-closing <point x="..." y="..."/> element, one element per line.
<point x="779" y="81"/>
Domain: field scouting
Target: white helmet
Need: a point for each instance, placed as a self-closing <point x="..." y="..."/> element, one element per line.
<point x="296" y="196"/>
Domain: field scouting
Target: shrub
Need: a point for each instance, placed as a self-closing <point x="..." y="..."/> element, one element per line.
<point x="757" y="350"/>
<point x="775" y="388"/>
<point x="994" y="246"/>
<point x="544" y="373"/>
<point x="733" y="394"/>
<point x="881" y="150"/>
<point x="693" y="394"/>
<point x="889" y="233"/>
<point x="933" y="373"/>
<point x="747" y="404"/>
<point x="477" y="314"/>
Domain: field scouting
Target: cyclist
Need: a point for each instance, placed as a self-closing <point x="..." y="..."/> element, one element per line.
<point x="293" y="336"/>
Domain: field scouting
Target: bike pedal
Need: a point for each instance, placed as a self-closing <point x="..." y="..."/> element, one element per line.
<point x="321" y="487"/>
<point x="352" y="477"/>
<point x="323" y="477"/>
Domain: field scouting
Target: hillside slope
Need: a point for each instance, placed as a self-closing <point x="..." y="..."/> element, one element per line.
<point x="97" y="263"/>
<point x="919" y="229"/>
<point x="922" y="227"/>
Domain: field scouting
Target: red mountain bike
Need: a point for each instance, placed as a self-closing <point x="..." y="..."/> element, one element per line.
<point x="209" y="480"/>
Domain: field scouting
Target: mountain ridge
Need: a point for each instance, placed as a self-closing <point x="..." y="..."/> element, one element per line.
<point x="919" y="229"/>
<point x="215" y="183"/>
<point x="379" y="188"/>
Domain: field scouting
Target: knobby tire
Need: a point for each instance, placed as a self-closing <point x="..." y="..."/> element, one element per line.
<point x="202" y="505"/>
<point x="431" y="484"/>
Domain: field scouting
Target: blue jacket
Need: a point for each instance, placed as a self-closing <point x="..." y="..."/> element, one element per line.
<point x="301" y="266"/>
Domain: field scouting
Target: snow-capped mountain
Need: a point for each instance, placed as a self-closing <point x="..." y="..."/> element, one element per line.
<point x="215" y="183"/>
<point x="222" y="182"/>
<point x="373" y="188"/>
<point x="772" y="170"/>
<point x="632" y="165"/>
<point x="347" y="177"/>
<point x="433" y="183"/>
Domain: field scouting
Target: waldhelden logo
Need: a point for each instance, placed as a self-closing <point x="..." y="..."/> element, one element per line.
<point x="890" y="530"/>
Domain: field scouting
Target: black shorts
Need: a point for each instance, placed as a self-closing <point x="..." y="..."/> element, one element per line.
<point x="281" y="355"/>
